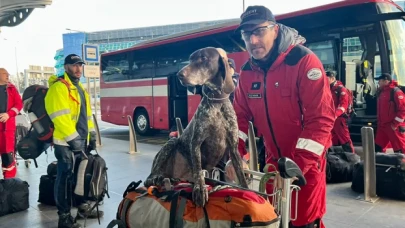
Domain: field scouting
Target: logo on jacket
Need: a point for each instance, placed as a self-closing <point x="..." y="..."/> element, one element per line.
<point x="256" y="85"/>
<point x="314" y="74"/>
<point x="254" y="95"/>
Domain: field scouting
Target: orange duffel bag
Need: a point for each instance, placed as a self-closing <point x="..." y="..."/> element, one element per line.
<point x="227" y="206"/>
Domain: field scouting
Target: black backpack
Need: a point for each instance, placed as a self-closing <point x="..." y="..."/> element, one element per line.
<point x="34" y="105"/>
<point x="90" y="178"/>
<point x="30" y="147"/>
<point x="394" y="90"/>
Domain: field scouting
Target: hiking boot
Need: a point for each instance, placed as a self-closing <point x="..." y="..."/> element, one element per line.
<point x="85" y="211"/>
<point x="67" y="221"/>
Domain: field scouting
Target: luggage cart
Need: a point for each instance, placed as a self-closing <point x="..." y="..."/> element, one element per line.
<point x="22" y="128"/>
<point x="281" y="196"/>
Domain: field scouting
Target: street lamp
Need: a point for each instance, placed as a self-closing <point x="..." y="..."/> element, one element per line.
<point x="243" y="10"/>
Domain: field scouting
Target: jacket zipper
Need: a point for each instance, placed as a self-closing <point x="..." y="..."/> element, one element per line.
<point x="268" y="116"/>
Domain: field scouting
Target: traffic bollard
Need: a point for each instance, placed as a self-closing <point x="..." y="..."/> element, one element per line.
<point x="133" y="147"/>
<point x="370" y="182"/>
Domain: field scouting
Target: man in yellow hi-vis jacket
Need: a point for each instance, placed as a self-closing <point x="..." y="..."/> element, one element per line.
<point x="68" y="106"/>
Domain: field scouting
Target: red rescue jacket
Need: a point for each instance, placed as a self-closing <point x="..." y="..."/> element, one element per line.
<point x="388" y="111"/>
<point x="14" y="106"/>
<point x="340" y="98"/>
<point x="291" y="104"/>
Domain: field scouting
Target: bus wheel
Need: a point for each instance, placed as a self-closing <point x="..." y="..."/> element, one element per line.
<point x="141" y="122"/>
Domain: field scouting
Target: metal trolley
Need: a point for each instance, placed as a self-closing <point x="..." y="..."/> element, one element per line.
<point x="281" y="196"/>
<point x="22" y="128"/>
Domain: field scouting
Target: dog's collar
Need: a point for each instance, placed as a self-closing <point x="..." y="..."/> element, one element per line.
<point x="213" y="98"/>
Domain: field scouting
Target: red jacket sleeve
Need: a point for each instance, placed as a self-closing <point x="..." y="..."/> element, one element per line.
<point x="17" y="104"/>
<point x="243" y="115"/>
<point x="343" y="102"/>
<point x="319" y="113"/>
<point x="399" y="97"/>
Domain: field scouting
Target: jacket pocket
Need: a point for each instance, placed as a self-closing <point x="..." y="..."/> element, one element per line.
<point x="289" y="106"/>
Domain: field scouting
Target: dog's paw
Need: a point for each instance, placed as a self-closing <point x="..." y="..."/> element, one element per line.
<point x="200" y="194"/>
<point x="155" y="180"/>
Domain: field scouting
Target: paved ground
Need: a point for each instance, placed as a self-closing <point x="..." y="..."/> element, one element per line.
<point x="343" y="209"/>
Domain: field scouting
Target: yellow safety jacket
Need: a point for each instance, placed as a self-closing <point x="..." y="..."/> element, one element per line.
<point x="62" y="103"/>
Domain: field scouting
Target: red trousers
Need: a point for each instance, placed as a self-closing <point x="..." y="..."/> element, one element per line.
<point x="385" y="135"/>
<point x="311" y="197"/>
<point x="341" y="135"/>
<point x="7" y="150"/>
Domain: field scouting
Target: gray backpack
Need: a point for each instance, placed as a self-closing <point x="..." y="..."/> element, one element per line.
<point x="90" y="175"/>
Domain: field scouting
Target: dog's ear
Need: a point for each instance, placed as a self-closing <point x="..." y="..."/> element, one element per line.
<point x="225" y="70"/>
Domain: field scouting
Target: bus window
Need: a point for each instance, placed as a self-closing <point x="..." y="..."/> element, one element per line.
<point x="141" y="66"/>
<point x="325" y="52"/>
<point x="394" y="32"/>
<point x="352" y="49"/>
<point x="115" y="67"/>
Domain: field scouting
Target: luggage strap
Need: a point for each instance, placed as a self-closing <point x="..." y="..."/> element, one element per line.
<point x="176" y="213"/>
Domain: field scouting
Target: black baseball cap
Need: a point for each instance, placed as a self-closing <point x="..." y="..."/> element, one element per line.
<point x="255" y="15"/>
<point x="73" y="59"/>
<point x="384" y="76"/>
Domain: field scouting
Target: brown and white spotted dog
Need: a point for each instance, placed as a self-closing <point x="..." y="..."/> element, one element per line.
<point x="212" y="133"/>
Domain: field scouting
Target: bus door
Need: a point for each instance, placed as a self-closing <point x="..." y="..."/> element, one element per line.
<point x="177" y="101"/>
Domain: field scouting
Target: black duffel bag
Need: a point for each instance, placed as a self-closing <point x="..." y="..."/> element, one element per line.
<point x="390" y="176"/>
<point x="14" y="196"/>
<point x="339" y="167"/>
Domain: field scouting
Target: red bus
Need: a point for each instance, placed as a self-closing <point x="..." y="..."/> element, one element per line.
<point x="359" y="39"/>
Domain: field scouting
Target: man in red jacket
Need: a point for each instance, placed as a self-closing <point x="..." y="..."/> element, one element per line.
<point x="283" y="88"/>
<point x="340" y="131"/>
<point x="390" y="115"/>
<point x="10" y="106"/>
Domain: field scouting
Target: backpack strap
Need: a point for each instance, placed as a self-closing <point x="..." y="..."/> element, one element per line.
<point x="392" y="94"/>
<point x="62" y="79"/>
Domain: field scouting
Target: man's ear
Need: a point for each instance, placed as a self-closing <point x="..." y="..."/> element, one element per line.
<point x="224" y="69"/>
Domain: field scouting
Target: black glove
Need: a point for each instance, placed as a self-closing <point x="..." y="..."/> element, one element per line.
<point x="76" y="144"/>
<point x="92" y="143"/>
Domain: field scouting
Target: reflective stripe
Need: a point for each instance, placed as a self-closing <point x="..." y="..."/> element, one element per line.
<point x="399" y="119"/>
<point x="89" y="117"/>
<point x="72" y="136"/>
<point x="59" y="142"/>
<point x="9" y="169"/>
<point x="15" y="110"/>
<point x="92" y="129"/>
<point x="243" y="136"/>
<point x="341" y="108"/>
<point x="310" y="145"/>
<point x="59" y="113"/>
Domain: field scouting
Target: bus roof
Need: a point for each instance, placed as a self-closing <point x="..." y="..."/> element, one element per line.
<point x="232" y="25"/>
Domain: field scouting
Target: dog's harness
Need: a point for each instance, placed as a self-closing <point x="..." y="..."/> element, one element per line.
<point x="213" y="98"/>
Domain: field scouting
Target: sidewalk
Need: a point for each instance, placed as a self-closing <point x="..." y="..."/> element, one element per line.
<point x="343" y="210"/>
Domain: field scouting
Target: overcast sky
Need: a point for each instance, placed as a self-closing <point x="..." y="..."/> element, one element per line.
<point x="38" y="38"/>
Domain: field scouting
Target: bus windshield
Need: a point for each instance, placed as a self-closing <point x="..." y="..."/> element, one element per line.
<point x="394" y="34"/>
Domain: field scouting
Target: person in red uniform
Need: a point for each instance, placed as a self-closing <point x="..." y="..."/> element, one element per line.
<point x="340" y="131"/>
<point x="10" y="106"/>
<point x="390" y="115"/>
<point x="283" y="88"/>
